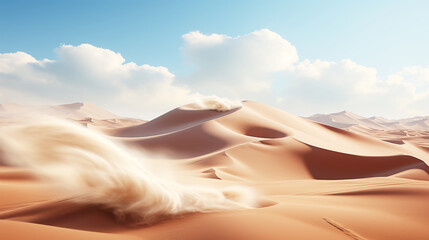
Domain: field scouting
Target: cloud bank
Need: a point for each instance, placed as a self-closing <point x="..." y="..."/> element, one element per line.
<point x="89" y="73"/>
<point x="261" y="66"/>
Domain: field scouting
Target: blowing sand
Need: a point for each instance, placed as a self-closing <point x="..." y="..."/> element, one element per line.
<point x="243" y="172"/>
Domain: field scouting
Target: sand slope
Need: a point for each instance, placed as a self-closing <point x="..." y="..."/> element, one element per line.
<point x="347" y="119"/>
<point x="314" y="182"/>
<point x="86" y="113"/>
<point x="413" y="130"/>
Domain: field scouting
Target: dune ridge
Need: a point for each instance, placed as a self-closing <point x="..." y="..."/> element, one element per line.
<point x="347" y="119"/>
<point x="413" y="130"/>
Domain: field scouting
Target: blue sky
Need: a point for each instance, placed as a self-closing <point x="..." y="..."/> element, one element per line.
<point x="385" y="35"/>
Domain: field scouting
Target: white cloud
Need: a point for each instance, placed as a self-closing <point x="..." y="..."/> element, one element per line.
<point x="236" y="66"/>
<point x="263" y="66"/>
<point x="89" y="73"/>
<point x="260" y="66"/>
<point x="325" y="87"/>
<point x="410" y="89"/>
<point x="345" y="74"/>
<point x="322" y="86"/>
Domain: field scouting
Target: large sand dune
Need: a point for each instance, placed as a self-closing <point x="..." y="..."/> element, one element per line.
<point x="312" y="181"/>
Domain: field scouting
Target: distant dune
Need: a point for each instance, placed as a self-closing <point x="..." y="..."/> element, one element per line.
<point x="75" y="111"/>
<point x="347" y="119"/>
<point x="83" y="112"/>
<point x="413" y="130"/>
<point x="346" y="177"/>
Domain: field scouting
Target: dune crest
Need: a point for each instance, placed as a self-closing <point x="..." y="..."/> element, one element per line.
<point x="413" y="130"/>
<point x="212" y="103"/>
<point x="100" y="171"/>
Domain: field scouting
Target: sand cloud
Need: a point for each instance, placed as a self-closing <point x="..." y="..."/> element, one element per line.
<point x="97" y="170"/>
<point x="214" y="103"/>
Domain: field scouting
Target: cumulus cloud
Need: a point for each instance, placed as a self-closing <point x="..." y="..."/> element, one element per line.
<point x="235" y="66"/>
<point x="263" y="66"/>
<point x="321" y="86"/>
<point x="89" y="73"/>
<point x="327" y="86"/>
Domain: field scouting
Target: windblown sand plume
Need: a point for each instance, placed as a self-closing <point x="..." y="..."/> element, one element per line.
<point x="213" y="103"/>
<point x="101" y="171"/>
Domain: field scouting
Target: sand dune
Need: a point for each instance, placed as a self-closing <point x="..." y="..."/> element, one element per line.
<point x="74" y="111"/>
<point x="86" y="113"/>
<point x="312" y="181"/>
<point x="413" y="130"/>
<point x="347" y="119"/>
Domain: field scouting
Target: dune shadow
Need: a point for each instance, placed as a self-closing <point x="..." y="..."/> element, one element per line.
<point x="330" y="165"/>
<point x="263" y="132"/>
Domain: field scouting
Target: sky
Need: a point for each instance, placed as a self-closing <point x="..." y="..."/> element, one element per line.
<point x="305" y="57"/>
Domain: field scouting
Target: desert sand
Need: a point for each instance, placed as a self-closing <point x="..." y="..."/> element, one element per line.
<point x="413" y="130"/>
<point x="308" y="180"/>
